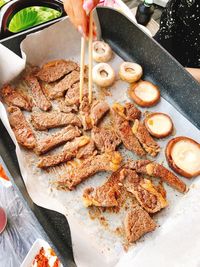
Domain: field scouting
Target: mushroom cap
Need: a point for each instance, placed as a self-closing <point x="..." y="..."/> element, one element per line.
<point x="130" y="72"/>
<point x="144" y="93"/>
<point x="159" y="124"/>
<point x="183" y="156"/>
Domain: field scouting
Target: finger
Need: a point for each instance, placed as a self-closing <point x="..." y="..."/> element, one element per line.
<point x="89" y="5"/>
<point x="80" y="17"/>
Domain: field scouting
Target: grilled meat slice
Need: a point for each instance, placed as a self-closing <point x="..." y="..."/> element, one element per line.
<point x="105" y="195"/>
<point x="13" y="98"/>
<point x="132" y="112"/>
<point x="72" y="96"/>
<point x="64" y="107"/>
<point x="21" y="128"/>
<point x="124" y="131"/>
<point x="143" y="190"/>
<point x="86" y="151"/>
<point x="48" y="143"/>
<point x="38" y="96"/>
<point x="142" y="134"/>
<point x="157" y="170"/>
<point x="97" y="163"/>
<point x="105" y="139"/>
<point x="98" y="111"/>
<point x="137" y="223"/>
<point x="69" y="151"/>
<point x="47" y="120"/>
<point x="85" y="114"/>
<point x="63" y="85"/>
<point x="54" y="70"/>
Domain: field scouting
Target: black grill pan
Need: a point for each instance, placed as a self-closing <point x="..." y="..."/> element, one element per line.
<point x="129" y="42"/>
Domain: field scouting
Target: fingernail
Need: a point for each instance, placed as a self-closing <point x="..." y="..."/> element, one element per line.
<point x="88" y="6"/>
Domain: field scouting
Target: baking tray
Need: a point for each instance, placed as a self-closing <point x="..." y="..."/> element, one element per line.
<point x="176" y="85"/>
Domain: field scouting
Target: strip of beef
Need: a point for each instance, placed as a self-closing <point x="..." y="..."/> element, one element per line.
<point x="143" y="190"/>
<point x="64" y="107"/>
<point x="86" y="151"/>
<point x="124" y="131"/>
<point x="38" y="96"/>
<point x="137" y="223"/>
<point x="54" y="70"/>
<point x="157" y="170"/>
<point x="47" y="120"/>
<point x="105" y="195"/>
<point x="129" y="111"/>
<point x="72" y="96"/>
<point x="98" y="111"/>
<point x="148" y="143"/>
<point x="48" y="143"/>
<point x="97" y="163"/>
<point x="105" y="139"/>
<point x="69" y="151"/>
<point x="63" y="85"/>
<point x="85" y="114"/>
<point x="13" y="98"/>
<point x="132" y="112"/>
<point x="21" y="128"/>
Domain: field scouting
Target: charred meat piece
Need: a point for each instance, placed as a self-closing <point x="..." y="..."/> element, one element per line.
<point x="72" y="96"/>
<point x="54" y="70"/>
<point x="97" y="163"/>
<point x="13" y="98"/>
<point x="137" y="223"/>
<point x="64" y="107"/>
<point x="38" y="96"/>
<point x="47" y="120"/>
<point x="85" y="114"/>
<point x="105" y="195"/>
<point x="157" y="170"/>
<point x="143" y="190"/>
<point x="98" y="110"/>
<point x="69" y="151"/>
<point x="132" y="112"/>
<point x="21" y="128"/>
<point x="124" y="131"/>
<point x="105" y="139"/>
<point x="63" y="85"/>
<point x="86" y="151"/>
<point x="142" y="134"/>
<point x="46" y="144"/>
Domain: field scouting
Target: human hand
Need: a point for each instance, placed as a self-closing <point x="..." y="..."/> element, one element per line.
<point x="78" y="12"/>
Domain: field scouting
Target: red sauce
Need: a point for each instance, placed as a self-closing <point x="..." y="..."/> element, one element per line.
<point x="42" y="260"/>
<point x="3" y="174"/>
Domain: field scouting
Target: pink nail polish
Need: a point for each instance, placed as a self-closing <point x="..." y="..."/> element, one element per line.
<point x="88" y="5"/>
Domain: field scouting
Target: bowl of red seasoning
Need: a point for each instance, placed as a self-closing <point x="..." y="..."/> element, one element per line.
<point x="41" y="255"/>
<point x="3" y="219"/>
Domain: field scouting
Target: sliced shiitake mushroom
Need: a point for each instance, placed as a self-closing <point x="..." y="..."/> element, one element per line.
<point x="183" y="156"/>
<point x="130" y="72"/>
<point x="103" y="75"/>
<point x="101" y="51"/>
<point x="159" y="124"/>
<point x="144" y="93"/>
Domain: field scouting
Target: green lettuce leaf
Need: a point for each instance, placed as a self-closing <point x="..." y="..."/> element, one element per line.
<point x="32" y="16"/>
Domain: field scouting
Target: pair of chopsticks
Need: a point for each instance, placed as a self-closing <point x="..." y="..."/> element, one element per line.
<point x="83" y="42"/>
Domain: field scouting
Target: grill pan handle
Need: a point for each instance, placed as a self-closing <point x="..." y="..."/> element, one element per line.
<point x="11" y="8"/>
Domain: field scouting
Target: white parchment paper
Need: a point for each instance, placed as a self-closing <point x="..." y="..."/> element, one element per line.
<point x="179" y="234"/>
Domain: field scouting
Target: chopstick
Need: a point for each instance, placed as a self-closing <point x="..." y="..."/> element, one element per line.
<point x="90" y="58"/>
<point x="82" y="63"/>
<point x="82" y="67"/>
